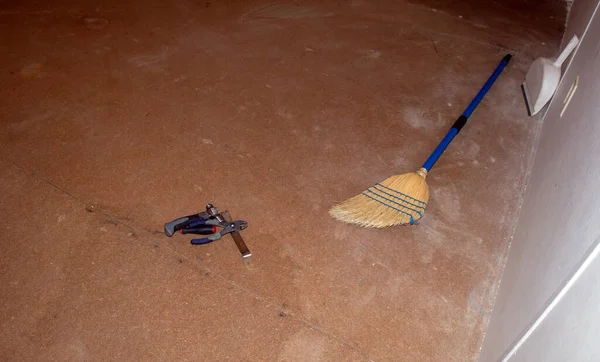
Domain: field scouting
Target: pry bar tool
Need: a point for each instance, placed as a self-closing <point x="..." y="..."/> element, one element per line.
<point x="239" y="241"/>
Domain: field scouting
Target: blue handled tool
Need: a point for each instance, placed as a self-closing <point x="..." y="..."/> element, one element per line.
<point x="209" y="227"/>
<point x="206" y="223"/>
<point x="462" y="120"/>
<point x="402" y="199"/>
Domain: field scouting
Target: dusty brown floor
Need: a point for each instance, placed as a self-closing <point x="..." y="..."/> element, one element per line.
<point x="118" y="117"/>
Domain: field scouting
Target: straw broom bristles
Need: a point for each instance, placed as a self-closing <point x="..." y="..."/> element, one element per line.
<point x="400" y="199"/>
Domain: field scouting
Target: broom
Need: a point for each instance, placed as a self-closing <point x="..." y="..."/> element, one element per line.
<point x="402" y="199"/>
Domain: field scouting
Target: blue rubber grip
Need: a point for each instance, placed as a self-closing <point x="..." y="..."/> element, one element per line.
<point x="201" y="241"/>
<point x="197" y="223"/>
<point x="460" y="122"/>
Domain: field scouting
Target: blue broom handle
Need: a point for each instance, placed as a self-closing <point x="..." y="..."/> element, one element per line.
<point x="462" y="120"/>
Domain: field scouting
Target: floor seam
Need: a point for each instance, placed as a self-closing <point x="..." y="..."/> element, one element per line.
<point x="195" y="263"/>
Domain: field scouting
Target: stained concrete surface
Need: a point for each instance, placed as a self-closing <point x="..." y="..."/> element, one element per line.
<point x="120" y="116"/>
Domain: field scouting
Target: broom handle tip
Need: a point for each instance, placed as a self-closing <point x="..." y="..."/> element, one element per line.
<point x="486" y="87"/>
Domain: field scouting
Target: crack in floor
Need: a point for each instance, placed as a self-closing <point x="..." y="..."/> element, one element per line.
<point x="197" y="264"/>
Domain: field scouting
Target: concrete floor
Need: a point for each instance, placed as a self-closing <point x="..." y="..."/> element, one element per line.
<point x="119" y="116"/>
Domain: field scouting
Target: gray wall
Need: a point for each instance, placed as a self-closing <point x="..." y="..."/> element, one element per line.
<point x="578" y="18"/>
<point x="559" y="224"/>
<point x="569" y="332"/>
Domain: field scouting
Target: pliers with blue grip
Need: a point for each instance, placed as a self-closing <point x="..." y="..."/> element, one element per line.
<point x="209" y="227"/>
<point x="184" y="222"/>
<point x="204" y="223"/>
